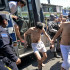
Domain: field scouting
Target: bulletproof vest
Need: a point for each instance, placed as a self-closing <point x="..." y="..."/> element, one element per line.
<point x="5" y="39"/>
<point x="52" y="25"/>
<point x="55" y="25"/>
<point x="3" y="66"/>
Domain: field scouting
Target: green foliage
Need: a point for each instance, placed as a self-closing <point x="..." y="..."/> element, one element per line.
<point x="68" y="8"/>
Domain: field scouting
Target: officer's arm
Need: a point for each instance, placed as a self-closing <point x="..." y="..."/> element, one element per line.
<point x="27" y="33"/>
<point x="5" y="48"/>
<point x="7" y="51"/>
<point x="51" y="29"/>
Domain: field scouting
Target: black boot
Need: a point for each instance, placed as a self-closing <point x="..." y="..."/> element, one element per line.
<point x="55" y="55"/>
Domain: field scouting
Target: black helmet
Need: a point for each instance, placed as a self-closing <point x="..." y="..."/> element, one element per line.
<point x="52" y="17"/>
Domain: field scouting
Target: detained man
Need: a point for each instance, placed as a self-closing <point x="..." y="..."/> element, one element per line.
<point x="64" y="44"/>
<point x="37" y="44"/>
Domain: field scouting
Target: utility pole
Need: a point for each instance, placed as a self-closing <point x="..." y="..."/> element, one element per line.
<point x="48" y="1"/>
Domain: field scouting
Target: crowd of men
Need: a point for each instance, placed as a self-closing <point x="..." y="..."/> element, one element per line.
<point x="58" y="29"/>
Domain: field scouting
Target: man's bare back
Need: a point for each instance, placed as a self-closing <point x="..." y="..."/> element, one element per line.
<point x="65" y="36"/>
<point x="65" y="40"/>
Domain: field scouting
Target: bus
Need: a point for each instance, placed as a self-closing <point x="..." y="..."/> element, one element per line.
<point x="28" y="16"/>
<point x="65" y="12"/>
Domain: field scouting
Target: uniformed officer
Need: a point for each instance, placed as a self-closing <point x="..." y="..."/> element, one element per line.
<point x="6" y="52"/>
<point x="52" y="29"/>
<point x="3" y="66"/>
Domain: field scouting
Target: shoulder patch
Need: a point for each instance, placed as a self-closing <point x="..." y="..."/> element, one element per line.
<point x="4" y="35"/>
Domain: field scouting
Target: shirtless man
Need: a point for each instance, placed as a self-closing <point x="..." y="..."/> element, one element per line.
<point x="13" y="5"/>
<point x="37" y="44"/>
<point x="64" y="44"/>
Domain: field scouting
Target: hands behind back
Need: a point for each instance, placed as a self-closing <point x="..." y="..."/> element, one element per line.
<point x="25" y="44"/>
<point x="52" y="44"/>
<point x="18" y="61"/>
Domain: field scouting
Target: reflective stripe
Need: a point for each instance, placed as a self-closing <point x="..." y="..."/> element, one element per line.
<point x="4" y="35"/>
<point x="8" y="68"/>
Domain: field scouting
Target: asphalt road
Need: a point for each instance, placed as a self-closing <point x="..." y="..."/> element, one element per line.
<point x="51" y="63"/>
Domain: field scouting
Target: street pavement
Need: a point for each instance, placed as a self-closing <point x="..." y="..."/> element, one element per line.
<point x="51" y="63"/>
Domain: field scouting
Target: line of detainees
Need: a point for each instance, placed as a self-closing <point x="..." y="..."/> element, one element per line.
<point x="53" y="24"/>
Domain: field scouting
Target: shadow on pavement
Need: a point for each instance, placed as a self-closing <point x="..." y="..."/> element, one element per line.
<point x="57" y="66"/>
<point x="31" y="60"/>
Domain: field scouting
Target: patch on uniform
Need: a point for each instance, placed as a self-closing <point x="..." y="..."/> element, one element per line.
<point x="4" y="35"/>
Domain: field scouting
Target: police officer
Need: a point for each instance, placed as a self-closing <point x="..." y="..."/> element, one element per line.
<point x="6" y="52"/>
<point x="52" y="29"/>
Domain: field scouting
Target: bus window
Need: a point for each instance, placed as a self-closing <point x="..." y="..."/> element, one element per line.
<point x="23" y="14"/>
<point x="2" y="4"/>
<point x="23" y="24"/>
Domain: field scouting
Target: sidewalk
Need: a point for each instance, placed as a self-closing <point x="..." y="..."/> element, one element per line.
<point x="51" y="63"/>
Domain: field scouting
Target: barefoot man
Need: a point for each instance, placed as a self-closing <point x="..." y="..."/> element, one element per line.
<point x="37" y="44"/>
<point x="65" y="44"/>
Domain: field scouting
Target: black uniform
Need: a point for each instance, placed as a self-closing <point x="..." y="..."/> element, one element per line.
<point x="6" y="50"/>
<point x="2" y="66"/>
<point x="52" y="29"/>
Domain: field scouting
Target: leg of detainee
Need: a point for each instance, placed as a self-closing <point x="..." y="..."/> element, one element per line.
<point x="39" y="60"/>
<point x="58" y="44"/>
<point x="44" y="56"/>
<point x="64" y="52"/>
<point x="55" y="53"/>
<point x="17" y="32"/>
<point x="43" y="51"/>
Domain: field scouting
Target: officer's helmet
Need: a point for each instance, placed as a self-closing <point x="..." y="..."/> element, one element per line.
<point x="52" y="17"/>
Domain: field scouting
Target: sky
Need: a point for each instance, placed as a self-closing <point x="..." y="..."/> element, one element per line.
<point x="64" y="3"/>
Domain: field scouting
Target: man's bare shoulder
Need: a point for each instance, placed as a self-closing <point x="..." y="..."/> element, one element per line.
<point x="29" y="31"/>
<point x="64" y="24"/>
<point x="31" y="28"/>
